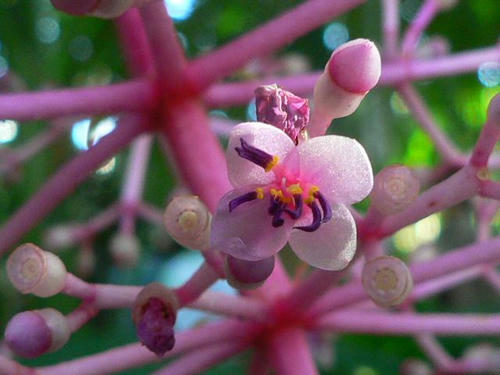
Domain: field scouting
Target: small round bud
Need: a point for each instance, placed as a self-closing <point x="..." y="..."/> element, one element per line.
<point x="484" y="353"/>
<point x="188" y="222"/>
<point x="353" y="69"/>
<point x="125" y="249"/>
<point x="33" y="333"/>
<point x="244" y="274"/>
<point x="154" y="314"/>
<point x="415" y="367"/>
<point x="447" y="4"/>
<point x="32" y="270"/>
<point x="394" y="189"/>
<point x="387" y="280"/>
<point x="59" y="237"/>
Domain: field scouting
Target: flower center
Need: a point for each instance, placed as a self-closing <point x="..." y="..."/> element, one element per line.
<point x="287" y="195"/>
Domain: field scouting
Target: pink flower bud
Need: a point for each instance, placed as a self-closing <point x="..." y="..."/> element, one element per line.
<point x="415" y="367"/>
<point x="33" y="333"/>
<point x="154" y="314"/>
<point x="188" y="222"/>
<point x="282" y="109"/>
<point x="387" y="280"/>
<point x="125" y="250"/>
<point x="244" y="274"/>
<point x="353" y="70"/>
<point x="32" y="270"/>
<point x="394" y="189"/>
<point x="59" y="237"/>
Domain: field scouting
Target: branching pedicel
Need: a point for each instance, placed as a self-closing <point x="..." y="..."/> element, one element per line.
<point x="287" y="187"/>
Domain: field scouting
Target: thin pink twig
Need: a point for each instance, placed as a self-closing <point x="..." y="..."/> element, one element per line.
<point x="423" y="18"/>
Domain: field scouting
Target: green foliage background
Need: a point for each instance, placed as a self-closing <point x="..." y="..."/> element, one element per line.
<point x="458" y="103"/>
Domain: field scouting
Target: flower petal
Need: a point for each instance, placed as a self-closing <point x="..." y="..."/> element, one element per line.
<point x="339" y="166"/>
<point x="332" y="246"/>
<point x="246" y="232"/>
<point x="266" y="138"/>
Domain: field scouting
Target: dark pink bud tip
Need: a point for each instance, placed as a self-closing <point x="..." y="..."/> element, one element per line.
<point x="243" y="272"/>
<point x="355" y="66"/>
<point x="77" y="7"/>
<point x="156" y="327"/>
<point x="28" y="335"/>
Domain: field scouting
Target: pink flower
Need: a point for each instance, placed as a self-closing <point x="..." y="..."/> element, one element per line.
<point x="287" y="193"/>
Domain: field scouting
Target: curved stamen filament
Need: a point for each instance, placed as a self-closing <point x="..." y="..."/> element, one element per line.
<point x="325" y="207"/>
<point x="316" y="218"/>
<point x="256" y="156"/>
<point x="297" y="212"/>
<point x="242" y="199"/>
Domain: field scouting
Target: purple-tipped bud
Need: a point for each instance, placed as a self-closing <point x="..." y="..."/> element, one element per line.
<point x="353" y="69"/>
<point x="33" y="333"/>
<point x="243" y="274"/>
<point x="394" y="189"/>
<point x="154" y="315"/>
<point x="282" y="109"/>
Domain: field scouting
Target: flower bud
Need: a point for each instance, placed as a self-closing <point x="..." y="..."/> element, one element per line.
<point x="125" y="249"/>
<point x="387" y="280"/>
<point x="154" y="314"/>
<point x="59" y="237"/>
<point x="33" y="333"/>
<point x="32" y="270"/>
<point x="415" y="367"/>
<point x="353" y="70"/>
<point x="188" y="222"/>
<point x="97" y="8"/>
<point x="394" y="189"/>
<point x="484" y="353"/>
<point x="282" y="109"/>
<point x="244" y="274"/>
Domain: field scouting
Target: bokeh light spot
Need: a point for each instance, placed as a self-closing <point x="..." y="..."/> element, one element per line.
<point x="4" y="66"/>
<point x="47" y="30"/>
<point x="180" y="10"/>
<point x="488" y="73"/>
<point x="8" y="131"/>
<point x="81" y="48"/>
<point x="334" y="35"/>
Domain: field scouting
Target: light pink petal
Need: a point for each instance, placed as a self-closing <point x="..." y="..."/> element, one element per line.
<point x="263" y="136"/>
<point x="339" y="166"/>
<point x="332" y="246"/>
<point x="246" y="232"/>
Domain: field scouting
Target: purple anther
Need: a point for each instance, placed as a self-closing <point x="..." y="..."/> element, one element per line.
<point x="156" y="327"/>
<point x="297" y="212"/>
<point x="282" y="109"/>
<point x="242" y="199"/>
<point x="325" y="207"/>
<point x="253" y="154"/>
<point x="316" y="219"/>
<point x="278" y="220"/>
<point x="275" y="205"/>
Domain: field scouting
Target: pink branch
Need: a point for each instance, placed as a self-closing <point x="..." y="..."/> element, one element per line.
<point x="66" y="181"/>
<point x="137" y="95"/>
<point x="150" y="213"/>
<point x="424" y="117"/>
<point x="201" y="359"/>
<point x="434" y="350"/>
<point x="79" y="317"/>
<point x="382" y="323"/>
<point x="265" y="39"/>
<point x="134" y="355"/>
<point x="490" y="134"/>
<point x="225" y="304"/>
<point x="390" y="27"/>
<point x="290" y="353"/>
<point x="8" y="366"/>
<point x="202" y="279"/>
<point x="490" y="189"/>
<point x="423" y="18"/>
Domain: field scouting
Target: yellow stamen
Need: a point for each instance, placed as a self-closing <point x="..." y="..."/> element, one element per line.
<point x="314" y="189"/>
<point x="260" y="193"/>
<point x="277" y="193"/>
<point x="272" y="163"/>
<point x="295" y="189"/>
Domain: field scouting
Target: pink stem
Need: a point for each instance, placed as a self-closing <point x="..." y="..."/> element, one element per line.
<point x="136" y="95"/>
<point x="490" y="189"/>
<point x="290" y="353"/>
<point x="434" y="350"/>
<point x="265" y="39"/>
<point x="393" y="73"/>
<point x="150" y="213"/>
<point x="490" y="134"/>
<point x="134" y="355"/>
<point x="201" y="359"/>
<point x="225" y="304"/>
<point x="469" y="256"/>
<point x="424" y="117"/>
<point x="423" y="18"/>
<point x="79" y="317"/>
<point x="65" y="181"/>
<point x="390" y="27"/>
<point x="134" y="181"/>
<point x="202" y="279"/>
<point x="461" y="186"/>
<point x="8" y="366"/>
<point x="382" y="323"/>
<point x="492" y="276"/>
<point x="106" y="218"/>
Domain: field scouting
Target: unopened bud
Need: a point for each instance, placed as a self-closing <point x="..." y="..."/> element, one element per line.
<point x="33" y="333"/>
<point x="244" y="274"/>
<point x="415" y="367"/>
<point x="282" y="109"/>
<point x="447" y="4"/>
<point x="97" y="8"/>
<point x="387" y="280"/>
<point x="32" y="270"/>
<point x="154" y="314"/>
<point x="188" y="222"/>
<point x="394" y="189"/>
<point x="125" y="250"/>
<point x="484" y="353"/>
<point x="353" y="70"/>
<point x="59" y="237"/>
